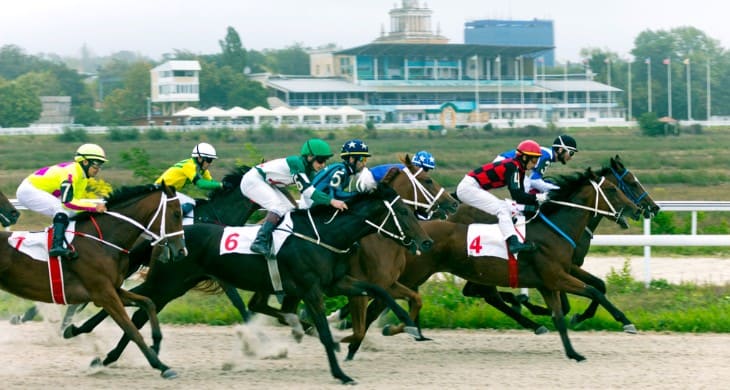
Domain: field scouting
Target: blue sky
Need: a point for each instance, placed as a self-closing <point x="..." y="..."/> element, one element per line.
<point x="154" y="27"/>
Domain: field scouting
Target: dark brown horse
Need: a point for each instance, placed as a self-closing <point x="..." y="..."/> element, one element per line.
<point x="378" y="259"/>
<point x="98" y="272"/>
<point x="617" y="173"/>
<point x="307" y="268"/>
<point x="8" y="213"/>
<point x="547" y="269"/>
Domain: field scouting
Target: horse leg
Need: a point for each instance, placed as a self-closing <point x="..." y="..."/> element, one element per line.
<point x="71" y="311"/>
<point x="415" y="303"/>
<point x="72" y="330"/>
<point x="494" y="298"/>
<point x="552" y="298"/>
<point x="358" y="307"/>
<point x="314" y="302"/>
<point x="595" y="289"/>
<point x="286" y="316"/>
<point x="112" y="302"/>
<point x="235" y="298"/>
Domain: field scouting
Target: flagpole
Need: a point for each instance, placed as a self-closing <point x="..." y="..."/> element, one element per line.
<point x="709" y="101"/>
<point x="522" y="87"/>
<point x="608" y="76"/>
<point x="544" y="115"/>
<point x="476" y="89"/>
<point x="668" y="63"/>
<point x="689" y="94"/>
<point x="498" y="64"/>
<point x="629" y="82"/>
<point x="565" y="89"/>
<point x="648" y="78"/>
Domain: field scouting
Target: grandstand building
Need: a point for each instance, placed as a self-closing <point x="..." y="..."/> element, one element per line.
<point x="414" y="75"/>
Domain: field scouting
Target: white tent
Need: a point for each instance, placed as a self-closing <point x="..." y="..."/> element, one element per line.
<point x="350" y="114"/>
<point x="286" y="115"/>
<point x="307" y="115"/>
<point x="216" y="112"/>
<point x="238" y="112"/>
<point x="329" y="115"/>
<point x="260" y="113"/>
<point x="189" y="112"/>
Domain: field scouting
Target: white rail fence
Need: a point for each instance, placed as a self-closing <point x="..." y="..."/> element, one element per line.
<point x="647" y="240"/>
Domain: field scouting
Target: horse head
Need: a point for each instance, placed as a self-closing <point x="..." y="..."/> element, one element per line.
<point x="8" y="213"/>
<point x="226" y="205"/>
<point x="631" y="187"/>
<point x="397" y="219"/>
<point x="419" y="190"/>
<point x="591" y="192"/>
<point x="155" y="211"/>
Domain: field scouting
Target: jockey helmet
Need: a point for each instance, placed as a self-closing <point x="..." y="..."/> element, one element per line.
<point x="424" y="159"/>
<point x="316" y="147"/>
<point x="90" y="152"/>
<point x="566" y="142"/>
<point x="354" y="148"/>
<point x="204" y="150"/>
<point x="529" y="148"/>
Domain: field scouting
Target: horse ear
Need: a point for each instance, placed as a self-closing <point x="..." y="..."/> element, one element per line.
<point x="406" y="160"/>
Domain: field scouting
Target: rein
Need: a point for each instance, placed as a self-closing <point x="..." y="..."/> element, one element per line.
<point x="401" y="236"/>
<point x="597" y="186"/>
<point x="418" y="187"/>
<point x="146" y="232"/>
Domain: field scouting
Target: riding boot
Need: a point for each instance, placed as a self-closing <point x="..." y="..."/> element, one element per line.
<point x="60" y="223"/>
<point x="262" y="243"/>
<point x="514" y="245"/>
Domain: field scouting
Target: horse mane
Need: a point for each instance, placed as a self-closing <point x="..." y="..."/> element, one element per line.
<point x="324" y="212"/>
<point x="234" y="177"/>
<point x="120" y="196"/>
<point x="569" y="185"/>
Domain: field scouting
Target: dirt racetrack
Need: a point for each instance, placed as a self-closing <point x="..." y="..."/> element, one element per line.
<point x="35" y="357"/>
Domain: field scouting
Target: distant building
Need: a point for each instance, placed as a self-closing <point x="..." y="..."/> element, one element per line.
<point x="175" y="85"/>
<point x="56" y="110"/>
<point x="496" y="32"/>
<point x="411" y="24"/>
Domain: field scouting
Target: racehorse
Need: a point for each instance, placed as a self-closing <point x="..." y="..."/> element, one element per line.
<point x="311" y="260"/>
<point x="98" y="272"/>
<point x="8" y="213"/>
<point x="547" y="269"/>
<point x="224" y="206"/>
<point x="378" y="259"/>
<point x="615" y="172"/>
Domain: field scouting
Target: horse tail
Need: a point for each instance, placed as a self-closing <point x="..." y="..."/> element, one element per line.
<point x="209" y="286"/>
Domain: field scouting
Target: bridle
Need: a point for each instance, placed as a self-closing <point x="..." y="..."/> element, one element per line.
<point x="430" y="205"/>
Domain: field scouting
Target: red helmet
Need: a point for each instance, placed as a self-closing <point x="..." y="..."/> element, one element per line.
<point x="529" y="148"/>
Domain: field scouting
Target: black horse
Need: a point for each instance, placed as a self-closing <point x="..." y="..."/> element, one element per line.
<point x="307" y="268"/>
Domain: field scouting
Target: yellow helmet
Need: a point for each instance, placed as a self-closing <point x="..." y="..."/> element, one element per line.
<point x="90" y="152"/>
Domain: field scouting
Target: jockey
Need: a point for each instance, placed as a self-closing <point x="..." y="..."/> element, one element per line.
<point x="345" y="179"/>
<point x="192" y="170"/>
<point x="563" y="149"/>
<point x="424" y="160"/>
<point x="58" y="191"/>
<point x="510" y="172"/>
<point x="265" y="182"/>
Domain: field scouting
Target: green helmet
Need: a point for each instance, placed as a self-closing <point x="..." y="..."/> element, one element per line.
<point x="316" y="147"/>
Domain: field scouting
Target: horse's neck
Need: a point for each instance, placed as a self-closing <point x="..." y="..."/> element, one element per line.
<point x="570" y="221"/>
<point x="225" y="211"/>
<point x="111" y="229"/>
<point x="340" y="233"/>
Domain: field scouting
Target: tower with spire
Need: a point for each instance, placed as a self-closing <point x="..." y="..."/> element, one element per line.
<point x="410" y="23"/>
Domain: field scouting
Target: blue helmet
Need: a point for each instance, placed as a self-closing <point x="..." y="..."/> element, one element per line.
<point x="355" y="148"/>
<point x="424" y="159"/>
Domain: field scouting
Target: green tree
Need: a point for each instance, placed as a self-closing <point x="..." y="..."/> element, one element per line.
<point x="292" y="60"/>
<point x="19" y="106"/>
<point x="232" y="52"/>
<point x="123" y="105"/>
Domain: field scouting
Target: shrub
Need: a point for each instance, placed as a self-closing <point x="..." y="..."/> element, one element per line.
<point x="116" y="134"/>
<point x="73" y="135"/>
<point x="156" y="134"/>
<point x="650" y="125"/>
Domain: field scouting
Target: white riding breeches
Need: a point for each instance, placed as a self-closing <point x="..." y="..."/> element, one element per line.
<point x="40" y="201"/>
<point x="258" y="190"/>
<point x="470" y="192"/>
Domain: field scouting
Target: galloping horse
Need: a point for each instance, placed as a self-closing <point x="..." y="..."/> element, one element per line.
<point x="548" y="268"/>
<point x="308" y="267"/>
<point x="617" y="173"/>
<point x="378" y="259"/>
<point x="8" y="213"/>
<point x="98" y="272"/>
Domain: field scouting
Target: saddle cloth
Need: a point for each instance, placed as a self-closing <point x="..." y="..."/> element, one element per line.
<point x="486" y="239"/>
<point x="35" y="244"/>
<point x="238" y="239"/>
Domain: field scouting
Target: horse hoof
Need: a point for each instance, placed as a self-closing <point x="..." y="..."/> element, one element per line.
<point x="96" y="363"/>
<point x="169" y="374"/>
<point x="349" y="381"/>
<point x="16" y="320"/>
<point x="541" y="330"/>
<point x="422" y="338"/>
<point x="630" y="328"/>
<point x="413" y="331"/>
<point x="574" y="320"/>
<point x="386" y="330"/>
<point x="68" y="332"/>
